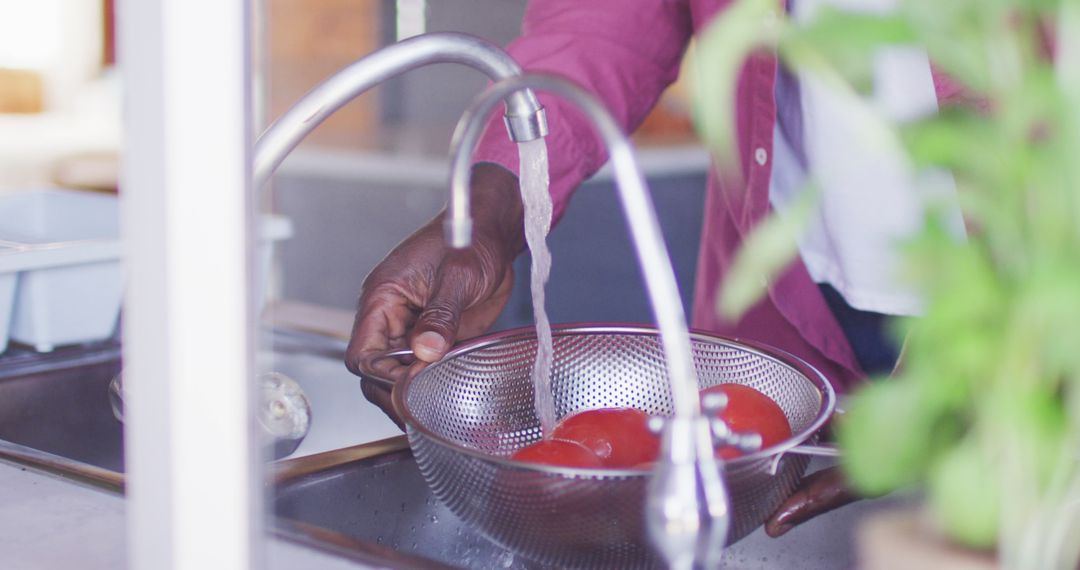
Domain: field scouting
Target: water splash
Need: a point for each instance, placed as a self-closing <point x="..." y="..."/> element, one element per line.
<point x="538" y="211"/>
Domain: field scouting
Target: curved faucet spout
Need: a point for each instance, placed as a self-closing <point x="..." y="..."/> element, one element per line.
<point x="524" y="115"/>
<point x="686" y="529"/>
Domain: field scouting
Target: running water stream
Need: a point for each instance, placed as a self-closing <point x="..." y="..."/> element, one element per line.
<point x="538" y="211"/>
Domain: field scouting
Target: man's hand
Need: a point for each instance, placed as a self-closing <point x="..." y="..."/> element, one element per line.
<point x="426" y="296"/>
<point x="820" y="493"/>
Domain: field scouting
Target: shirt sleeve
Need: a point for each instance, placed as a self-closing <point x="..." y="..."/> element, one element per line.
<point x="625" y="52"/>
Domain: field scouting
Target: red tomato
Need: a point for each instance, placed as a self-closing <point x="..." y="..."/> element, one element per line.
<point x="620" y="437"/>
<point x="558" y="452"/>
<point x="748" y="410"/>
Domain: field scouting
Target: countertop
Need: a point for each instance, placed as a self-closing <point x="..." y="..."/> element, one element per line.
<point x="47" y="522"/>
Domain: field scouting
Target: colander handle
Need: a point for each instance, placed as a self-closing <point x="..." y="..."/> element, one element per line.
<point x="815" y="450"/>
<point x="818" y="450"/>
<point x="805" y="449"/>
<point x="386" y="382"/>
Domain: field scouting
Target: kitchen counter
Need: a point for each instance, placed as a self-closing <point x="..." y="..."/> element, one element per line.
<point x="49" y="522"/>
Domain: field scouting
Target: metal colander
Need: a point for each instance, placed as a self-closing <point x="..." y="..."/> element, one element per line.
<point x="469" y="412"/>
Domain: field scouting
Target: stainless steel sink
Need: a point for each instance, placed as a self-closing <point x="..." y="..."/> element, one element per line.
<point x="55" y="411"/>
<point x="371" y="500"/>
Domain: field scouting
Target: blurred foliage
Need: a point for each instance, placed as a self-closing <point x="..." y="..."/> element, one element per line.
<point x="765" y="253"/>
<point x="984" y="412"/>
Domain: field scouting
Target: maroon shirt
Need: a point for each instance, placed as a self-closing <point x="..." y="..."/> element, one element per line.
<point x="626" y="52"/>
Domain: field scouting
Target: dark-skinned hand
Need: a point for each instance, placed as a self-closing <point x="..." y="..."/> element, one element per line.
<point x="820" y="492"/>
<point x="427" y="296"/>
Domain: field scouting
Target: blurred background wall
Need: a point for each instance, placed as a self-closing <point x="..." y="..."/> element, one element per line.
<point x="364" y="182"/>
<point x="366" y="178"/>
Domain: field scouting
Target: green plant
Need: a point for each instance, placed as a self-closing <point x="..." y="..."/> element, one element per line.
<point x="985" y="411"/>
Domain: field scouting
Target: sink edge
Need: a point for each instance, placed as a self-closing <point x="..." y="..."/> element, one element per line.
<point x="62" y="466"/>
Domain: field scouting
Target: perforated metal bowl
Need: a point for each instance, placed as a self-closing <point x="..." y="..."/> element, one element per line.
<point x="468" y="413"/>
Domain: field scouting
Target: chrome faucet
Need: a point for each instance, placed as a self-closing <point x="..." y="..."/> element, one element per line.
<point x="687" y="504"/>
<point x="524" y="116"/>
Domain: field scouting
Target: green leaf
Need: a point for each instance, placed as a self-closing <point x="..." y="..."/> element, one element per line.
<point x="845" y="30"/>
<point x="888" y="436"/>
<point x="847" y="39"/>
<point x="1039" y="422"/>
<point x="1048" y="305"/>
<point x="966" y="496"/>
<point x="958" y="140"/>
<point x="767" y="250"/>
<point x="954" y="34"/>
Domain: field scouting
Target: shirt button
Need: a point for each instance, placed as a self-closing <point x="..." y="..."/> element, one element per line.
<point x="761" y="156"/>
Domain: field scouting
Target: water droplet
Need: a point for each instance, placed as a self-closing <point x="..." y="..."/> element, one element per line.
<point x="412" y="528"/>
<point x="506" y="559"/>
<point x="378" y="540"/>
<point x="434" y="518"/>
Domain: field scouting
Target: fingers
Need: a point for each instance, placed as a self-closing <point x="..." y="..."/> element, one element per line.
<point x="382" y="322"/>
<point x="436" y="329"/>
<point x="417" y="298"/>
<point x="380" y="396"/>
<point x="820" y="493"/>
<point x="477" y="320"/>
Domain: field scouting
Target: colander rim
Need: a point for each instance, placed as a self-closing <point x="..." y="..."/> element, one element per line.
<point x="827" y="392"/>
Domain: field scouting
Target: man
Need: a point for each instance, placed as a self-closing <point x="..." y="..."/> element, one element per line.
<point x="827" y="307"/>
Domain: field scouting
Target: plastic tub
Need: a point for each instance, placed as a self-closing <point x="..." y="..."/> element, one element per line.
<point x="7" y="295"/>
<point x="65" y="267"/>
<point x="70" y="279"/>
<point x="272" y="228"/>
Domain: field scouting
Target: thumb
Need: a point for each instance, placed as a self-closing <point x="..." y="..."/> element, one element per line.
<point x="437" y="327"/>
